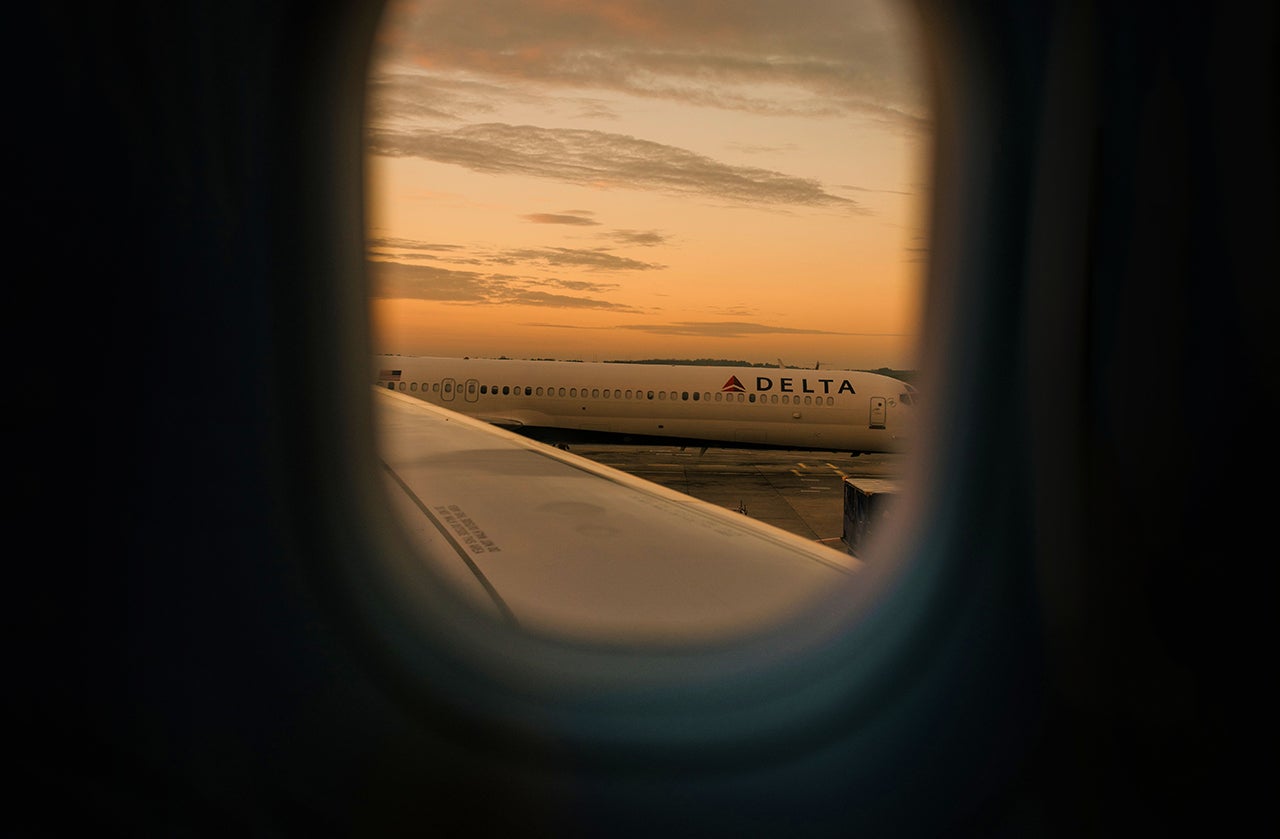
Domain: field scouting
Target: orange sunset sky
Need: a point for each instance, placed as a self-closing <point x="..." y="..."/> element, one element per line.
<point x="629" y="180"/>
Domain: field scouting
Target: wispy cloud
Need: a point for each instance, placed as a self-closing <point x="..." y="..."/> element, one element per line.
<point x="643" y="238"/>
<point x="757" y="148"/>
<point x="400" y="244"/>
<point x="396" y="280"/>
<point x="560" y="218"/>
<point x="390" y="250"/>
<point x="596" y="259"/>
<point x="767" y="56"/>
<point x="731" y="329"/>
<point x="715" y="329"/>
<point x="603" y="160"/>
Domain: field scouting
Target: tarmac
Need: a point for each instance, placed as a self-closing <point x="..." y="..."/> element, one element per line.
<point x="800" y="492"/>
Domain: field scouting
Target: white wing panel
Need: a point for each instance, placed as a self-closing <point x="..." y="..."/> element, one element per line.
<point x="566" y="547"/>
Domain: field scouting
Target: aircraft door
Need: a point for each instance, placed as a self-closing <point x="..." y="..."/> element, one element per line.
<point x="472" y="393"/>
<point x="879" y="412"/>
<point x="446" y="390"/>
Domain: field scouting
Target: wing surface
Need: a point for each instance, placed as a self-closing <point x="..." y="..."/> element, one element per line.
<point x="566" y="547"/>
<point x="509" y="423"/>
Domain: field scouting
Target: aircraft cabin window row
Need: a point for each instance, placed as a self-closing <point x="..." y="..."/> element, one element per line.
<point x="597" y="393"/>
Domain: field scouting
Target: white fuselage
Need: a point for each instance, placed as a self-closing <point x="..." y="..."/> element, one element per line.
<point x="748" y="407"/>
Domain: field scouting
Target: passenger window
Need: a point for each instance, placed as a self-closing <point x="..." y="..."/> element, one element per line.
<point x="611" y="181"/>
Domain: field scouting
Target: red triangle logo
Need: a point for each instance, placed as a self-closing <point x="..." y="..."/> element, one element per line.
<point x="733" y="386"/>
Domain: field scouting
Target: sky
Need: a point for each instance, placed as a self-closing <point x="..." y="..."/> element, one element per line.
<point x="614" y="180"/>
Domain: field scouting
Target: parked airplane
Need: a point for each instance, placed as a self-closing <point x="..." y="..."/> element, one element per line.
<point x="566" y="402"/>
<point x="216" y="627"/>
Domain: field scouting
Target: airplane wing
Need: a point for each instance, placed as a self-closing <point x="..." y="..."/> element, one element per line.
<point x="566" y="547"/>
<point x="509" y="423"/>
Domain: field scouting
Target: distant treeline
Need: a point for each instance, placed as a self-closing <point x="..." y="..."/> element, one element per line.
<point x="691" y="362"/>
<point x="903" y="375"/>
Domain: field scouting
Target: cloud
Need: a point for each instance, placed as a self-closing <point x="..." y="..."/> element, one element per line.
<point x="396" y="280"/>
<point x="716" y="329"/>
<point x="393" y="243"/>
<point x="731" y="329"/>
<point x="427" y="282"/>
<point x="603" y="160"/>
<point x="532" y="297"/>
<point x="590" y="259"/>
<point x="769" y="56"/>
<point x="643" y="238"/>
<point x="581" y="285"/>
<point x="559" y="218"/>
<point x="757" y="148"/>
<point x="414" y="95"/>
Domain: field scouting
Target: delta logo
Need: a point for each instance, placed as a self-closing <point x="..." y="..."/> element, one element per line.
<point x="791" y="384"/>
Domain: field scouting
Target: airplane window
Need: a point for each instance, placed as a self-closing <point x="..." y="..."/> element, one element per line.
<point x="619" y="181"/>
